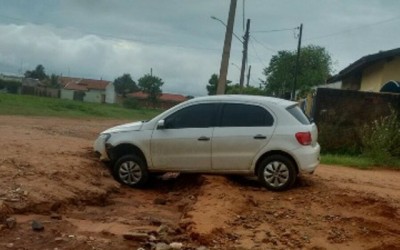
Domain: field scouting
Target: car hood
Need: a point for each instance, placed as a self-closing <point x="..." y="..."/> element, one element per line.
<point x="133" y="126"/>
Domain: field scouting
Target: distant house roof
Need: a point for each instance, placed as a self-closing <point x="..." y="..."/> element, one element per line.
<point x="94" y="84"/>
<point x="173" y="97"/>
<point x="74" y="86"/>
<point x="64" y="80"/>
<point x="73" y="83"/>
<point x="164" y="97"/>
<point x="364" y="62"/>
<point x="138" y="95"/>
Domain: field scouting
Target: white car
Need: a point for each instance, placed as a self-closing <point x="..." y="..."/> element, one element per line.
<point x="224" y="134"/>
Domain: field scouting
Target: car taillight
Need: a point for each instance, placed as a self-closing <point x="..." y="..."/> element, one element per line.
<point x="304" y="138"/>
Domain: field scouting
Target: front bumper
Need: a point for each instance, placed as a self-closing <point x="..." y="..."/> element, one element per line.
<point x="99" y="148"/>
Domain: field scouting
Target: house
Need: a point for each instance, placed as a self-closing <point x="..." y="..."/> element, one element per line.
<point x="87" y="90"/>
<point x="165" y="100"/>
<point x="32" y="86"/>
<point x="378" y="72"/>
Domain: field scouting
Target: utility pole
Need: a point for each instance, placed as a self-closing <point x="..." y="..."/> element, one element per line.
<point x="243" y="8"/>
<point x="297" y="64"/>
<point x="223" y="71"/>
<point x="244" y="58"/>
<point x="248" y="77"/>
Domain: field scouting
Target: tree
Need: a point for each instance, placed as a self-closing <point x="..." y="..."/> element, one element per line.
<point x="124" y="85"/>
<point x="38" y="73"/>
<point x="315" y="67"/>
<point x="151" y="85"/>
<point x="245" y="90"/>
<point x="213" y="83"/>
<point x="54" y="80"/>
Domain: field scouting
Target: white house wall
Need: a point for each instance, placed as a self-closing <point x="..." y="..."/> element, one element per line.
<point x="93" y="96"/>
<point x="67" y="94"/>
<point x="110" y="93"/>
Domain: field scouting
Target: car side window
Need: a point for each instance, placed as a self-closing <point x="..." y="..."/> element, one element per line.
<point x="195" y="116"/>
<point x="245" y="115"/>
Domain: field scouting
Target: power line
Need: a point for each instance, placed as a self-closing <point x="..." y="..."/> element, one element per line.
<point x="264" y="46"/>
<point x="275" y="30"/>
<point x="257" y="56"/>
<point x="352" y="29"/>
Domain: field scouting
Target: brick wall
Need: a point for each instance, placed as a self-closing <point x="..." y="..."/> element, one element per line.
<point x="340" y="115"/>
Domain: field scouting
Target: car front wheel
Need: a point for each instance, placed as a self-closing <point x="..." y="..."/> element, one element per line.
<point x="131" y="170"/>
<point x="277" y="173"/>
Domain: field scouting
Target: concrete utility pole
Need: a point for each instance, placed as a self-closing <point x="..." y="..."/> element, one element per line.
<point x="223" y="72"/>
<point x="248" y="77"/>
<point x="244" y="58"/>
<point x="297" y="64"/>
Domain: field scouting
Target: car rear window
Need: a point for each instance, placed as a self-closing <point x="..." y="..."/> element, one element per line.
<point x="244" y="115"/>
<point x="298" y="114"/>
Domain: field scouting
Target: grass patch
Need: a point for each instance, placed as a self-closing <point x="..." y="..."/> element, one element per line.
<point x="358" y="161"/>
<point x="44" y="106"/>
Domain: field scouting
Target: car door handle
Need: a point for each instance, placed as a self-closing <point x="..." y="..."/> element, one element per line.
<point x="203" y="138"/>
<point x="260" y="137"/>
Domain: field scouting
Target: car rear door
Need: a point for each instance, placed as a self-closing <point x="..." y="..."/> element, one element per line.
<point x="243" y="130"/>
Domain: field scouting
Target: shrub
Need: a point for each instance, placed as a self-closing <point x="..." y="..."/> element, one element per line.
<point x="381" y="139"/>
<point x="130" y="103"/>
<point x="10" y="85"/>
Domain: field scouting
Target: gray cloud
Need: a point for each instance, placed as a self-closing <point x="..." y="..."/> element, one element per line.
<point x="177" y="38"/>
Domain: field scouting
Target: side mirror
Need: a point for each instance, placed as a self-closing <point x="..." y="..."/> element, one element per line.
<point x="161" y="124"/>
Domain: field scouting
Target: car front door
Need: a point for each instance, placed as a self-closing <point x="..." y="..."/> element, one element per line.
<point x="243" y="131"/>
<point x="184" y="142"/>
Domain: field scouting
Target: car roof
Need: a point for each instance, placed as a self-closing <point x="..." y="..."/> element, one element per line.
<point x="245" y="98"/>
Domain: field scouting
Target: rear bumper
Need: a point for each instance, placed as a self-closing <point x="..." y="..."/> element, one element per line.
<point x="307" y="158"/>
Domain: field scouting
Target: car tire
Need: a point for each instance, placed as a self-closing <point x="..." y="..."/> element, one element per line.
<point x="277" y="173"/>
<point x="131" y="170"/>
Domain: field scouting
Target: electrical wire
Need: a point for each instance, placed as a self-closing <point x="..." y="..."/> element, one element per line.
<point x="275" y="30"/>
<point x="257" y="56"/>
<point x="352" y="29"/>
<point x="264" y="46"/>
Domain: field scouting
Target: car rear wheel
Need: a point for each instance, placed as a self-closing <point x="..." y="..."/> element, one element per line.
<point x="277" y="173"/>
<point x="131" y="170"/>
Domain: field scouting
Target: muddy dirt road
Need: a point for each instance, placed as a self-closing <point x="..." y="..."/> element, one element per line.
<point x="48" y="174"/>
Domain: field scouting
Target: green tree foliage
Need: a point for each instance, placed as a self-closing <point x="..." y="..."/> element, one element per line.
<point x="124" y="85"/>
<point x="381" y="139"/>
<point x="38" y="73"/>
<point x="314" y="68"/>
<point x="130" y="103"/>
<point x="247" y="90"/>
<point x="54" y="80"/>
<point x="213" y="83"/>
<point x="10" y="86"/>
<point x="152" y="86"/>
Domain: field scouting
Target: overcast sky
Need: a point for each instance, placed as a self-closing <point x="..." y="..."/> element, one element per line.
<point x="178" y="39"/>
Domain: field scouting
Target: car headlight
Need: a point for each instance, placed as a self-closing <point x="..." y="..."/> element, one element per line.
<point x="105" y="136"/>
